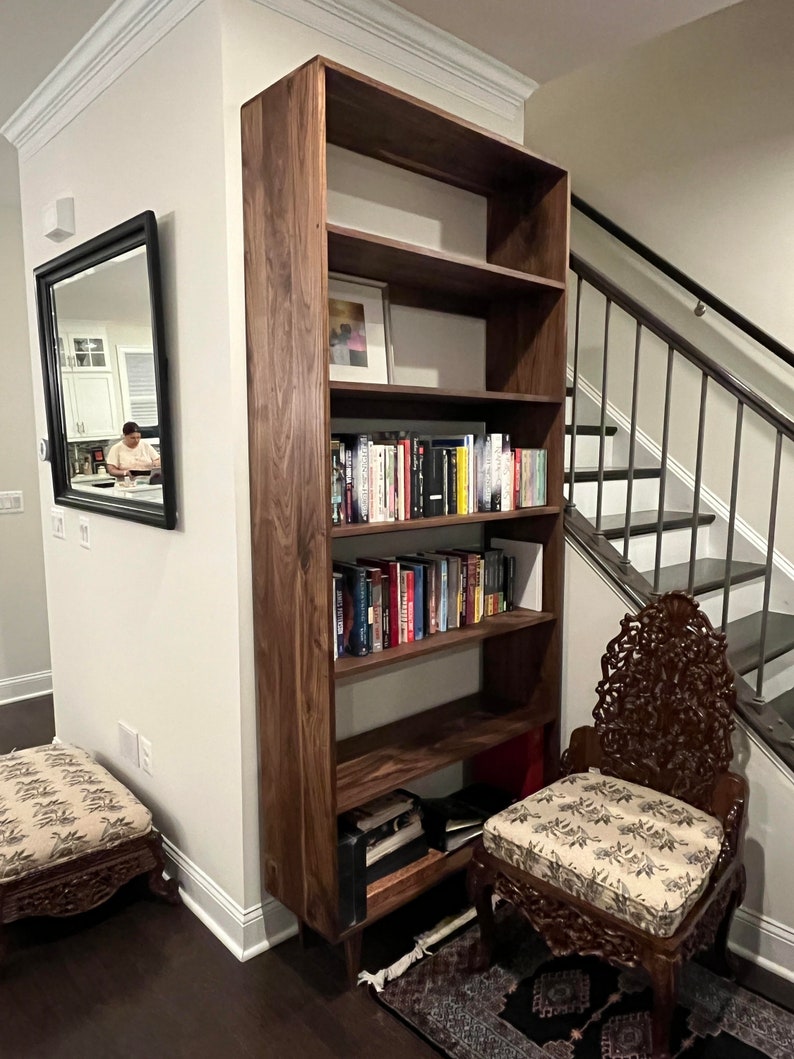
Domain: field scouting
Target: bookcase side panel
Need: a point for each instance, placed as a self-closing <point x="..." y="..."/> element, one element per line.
<point x="286" y="332"/>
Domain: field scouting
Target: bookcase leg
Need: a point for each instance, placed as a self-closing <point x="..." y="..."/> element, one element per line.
<point x="353" y="956"/>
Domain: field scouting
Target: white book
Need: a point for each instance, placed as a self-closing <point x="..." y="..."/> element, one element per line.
<point x="528" y="585"/>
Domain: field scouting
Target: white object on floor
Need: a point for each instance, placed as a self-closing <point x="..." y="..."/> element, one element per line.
<point x="425" y="943"/>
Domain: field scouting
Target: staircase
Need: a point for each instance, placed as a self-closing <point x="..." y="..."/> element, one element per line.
<point x="655" y="521"/>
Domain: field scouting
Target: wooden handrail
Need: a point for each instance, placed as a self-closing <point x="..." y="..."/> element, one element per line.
<point x="688" y="284"/>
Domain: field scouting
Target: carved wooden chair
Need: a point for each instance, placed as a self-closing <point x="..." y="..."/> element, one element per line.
<point x="70" y="836"/>
<point x="635" y="854"/>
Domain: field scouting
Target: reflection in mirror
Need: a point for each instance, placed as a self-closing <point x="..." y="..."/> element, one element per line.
<point x="100" y="321"/>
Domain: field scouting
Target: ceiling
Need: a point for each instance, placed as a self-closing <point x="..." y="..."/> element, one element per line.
<point x="541" y="38"/>
<point x="545" y="39"/>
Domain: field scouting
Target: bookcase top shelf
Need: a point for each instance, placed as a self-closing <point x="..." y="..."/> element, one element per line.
<point x="433" y="271"/>
<point x="373" y="119"/>
<point x="363" y="529"/>
<point x="377" y="761"/>
<point x="496" y="625"/>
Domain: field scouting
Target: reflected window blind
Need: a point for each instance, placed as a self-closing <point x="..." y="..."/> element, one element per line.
<point x="141" y="387"/>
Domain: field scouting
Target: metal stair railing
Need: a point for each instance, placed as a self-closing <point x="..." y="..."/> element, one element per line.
<point x="713" y="378"/>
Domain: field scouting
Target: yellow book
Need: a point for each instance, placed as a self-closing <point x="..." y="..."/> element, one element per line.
<point x="462" y="463"/>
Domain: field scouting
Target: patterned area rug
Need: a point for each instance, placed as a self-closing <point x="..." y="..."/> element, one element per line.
<point x="530" y="1004"/>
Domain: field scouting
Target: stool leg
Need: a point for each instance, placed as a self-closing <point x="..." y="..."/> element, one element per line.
<point x="166" y="889"/>
<point x="664" y="976"/>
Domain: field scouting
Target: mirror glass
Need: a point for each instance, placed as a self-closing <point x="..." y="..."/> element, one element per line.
<point x="100" y="320"/>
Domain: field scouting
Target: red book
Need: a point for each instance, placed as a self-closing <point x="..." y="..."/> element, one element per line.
<point x="407" y="604"/>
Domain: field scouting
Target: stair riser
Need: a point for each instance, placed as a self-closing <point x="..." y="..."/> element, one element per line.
<point x="778" y="676"/>
<point x="747" y="598"/>
<point x="675" y="547"/>
<point x="645" y="496"/>
<point x="587" y="450"/>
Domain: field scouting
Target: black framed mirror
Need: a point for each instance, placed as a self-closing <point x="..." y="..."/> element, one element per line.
<point x="103" y="354"/>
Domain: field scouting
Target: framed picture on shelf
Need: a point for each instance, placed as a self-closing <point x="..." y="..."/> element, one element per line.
<point x="359" y="330"/>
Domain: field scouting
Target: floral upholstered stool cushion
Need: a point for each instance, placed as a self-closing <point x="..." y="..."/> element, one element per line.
<point x="57" y="804"/>
<point x="643" y="856"/>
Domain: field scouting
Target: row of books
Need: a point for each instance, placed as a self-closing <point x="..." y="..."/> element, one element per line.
<point x="395" y="476"/>
<point x="399" y="828"/>
<point x="380" y="603"/>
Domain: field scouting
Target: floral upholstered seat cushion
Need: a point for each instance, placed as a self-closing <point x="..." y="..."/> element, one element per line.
<point x="643" y="856"/>
<point x="56" y="804"/>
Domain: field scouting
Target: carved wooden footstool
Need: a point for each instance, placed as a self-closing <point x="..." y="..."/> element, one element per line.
<point x="70" y="835"/>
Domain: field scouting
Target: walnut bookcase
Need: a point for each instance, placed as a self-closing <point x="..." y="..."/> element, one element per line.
<point x="519" y="290"/>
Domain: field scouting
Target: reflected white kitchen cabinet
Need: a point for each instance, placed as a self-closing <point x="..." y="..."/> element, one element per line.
<point x="90" y="405"/>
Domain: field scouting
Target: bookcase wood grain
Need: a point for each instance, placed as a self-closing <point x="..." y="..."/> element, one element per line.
<point x="519" y="290"/>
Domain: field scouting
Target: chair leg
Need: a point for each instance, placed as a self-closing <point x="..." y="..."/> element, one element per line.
<point x="664" y="976"/>
<point x="166" y="889"/>
<point x="724" y="960"/>
<point x="481" y="894"/>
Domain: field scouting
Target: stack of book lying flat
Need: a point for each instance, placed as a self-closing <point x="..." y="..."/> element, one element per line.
<point x="458" y="818"/>
<point x="375" y="840"/>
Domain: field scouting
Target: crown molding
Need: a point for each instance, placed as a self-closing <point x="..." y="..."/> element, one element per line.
<point x="125" y="32"/>
<point x="385" y="31"/>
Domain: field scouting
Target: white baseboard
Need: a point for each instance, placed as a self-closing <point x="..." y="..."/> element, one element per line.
<point x="244" y="931"/>
<point x="760" y="940"/>
<point x="29" y="686"/>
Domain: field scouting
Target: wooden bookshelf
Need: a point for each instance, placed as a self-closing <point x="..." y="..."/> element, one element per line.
<point x="391" y="756"/>
<point x="518" y="289"/>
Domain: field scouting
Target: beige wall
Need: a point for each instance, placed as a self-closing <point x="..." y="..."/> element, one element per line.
<point x="24" y="641"/>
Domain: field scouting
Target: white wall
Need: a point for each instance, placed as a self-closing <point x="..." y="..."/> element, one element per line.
<point x="24" y="640"/>
<point x="144" y="626"/>
<point x="688" y="143"/>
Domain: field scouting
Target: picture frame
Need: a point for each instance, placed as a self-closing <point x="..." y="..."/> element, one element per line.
<point x="359" y="330"/>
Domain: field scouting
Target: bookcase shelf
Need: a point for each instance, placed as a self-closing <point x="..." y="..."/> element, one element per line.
<point x="393" y="891"/>
<point x="391" y="756"/>
<point x="518" y="289"/>
<point x="405" y="265"/>
<point x="364" y="529"/>
<point x="497" y="625"/>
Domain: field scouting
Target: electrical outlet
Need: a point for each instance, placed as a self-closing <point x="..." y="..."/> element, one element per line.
<point x="58" y="523"/>
<point x="11" y="503"/>
<point x="146" y="754"/>
<point x="128" y="744"/>
<point x="85" y="532"/>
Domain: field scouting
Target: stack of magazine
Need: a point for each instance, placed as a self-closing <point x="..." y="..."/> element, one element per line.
<point x="392" y="832"/>
<point x="458" y="818"/>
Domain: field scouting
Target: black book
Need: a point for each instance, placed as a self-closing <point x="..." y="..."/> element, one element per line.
<point x="458" y="818"/>
<point x="351" y="854"/>
<point x="354" y="607"/>
<point x="433" y="481"/>
<point x="417" y="452"/>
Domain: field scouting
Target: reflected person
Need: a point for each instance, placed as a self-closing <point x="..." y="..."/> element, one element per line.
<point x="131" y="456"/>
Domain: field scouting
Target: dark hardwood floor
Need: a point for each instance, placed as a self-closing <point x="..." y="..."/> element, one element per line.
<point x="137" y="979"/>
<point x="29" y="722"/>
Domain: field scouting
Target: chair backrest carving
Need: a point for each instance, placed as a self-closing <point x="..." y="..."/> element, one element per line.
<point x="665" y="707"/>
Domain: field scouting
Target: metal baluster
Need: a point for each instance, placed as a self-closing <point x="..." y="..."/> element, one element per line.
<point x="572" y="463"/>
<point x="600" y="495"/>
<point x="668" y="386"/>
<point x="632" y="445"/>
<point x="704" y="382"/>
<point x="737" y="449"/>
<point x="770" y="551"/>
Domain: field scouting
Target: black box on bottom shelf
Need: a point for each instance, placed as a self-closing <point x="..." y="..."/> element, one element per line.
<point x="352" y="854"/>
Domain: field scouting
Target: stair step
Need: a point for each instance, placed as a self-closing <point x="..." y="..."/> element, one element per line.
<point x="744" y="636"/>
<point x="614" y="526"/>
<point x="709" y="575"/>
<point x="783" y="705"/>
<point x="591" y="430"/>
<point x="613" y="474"/>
